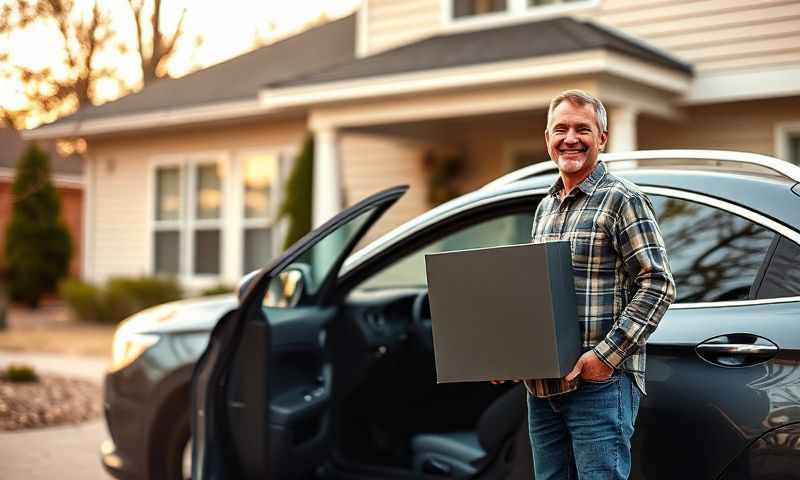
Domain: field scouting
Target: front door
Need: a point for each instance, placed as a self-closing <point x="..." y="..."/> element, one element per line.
<point x="262" y="390"/>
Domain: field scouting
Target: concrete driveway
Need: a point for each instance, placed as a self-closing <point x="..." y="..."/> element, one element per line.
<point x="59" y="452"/>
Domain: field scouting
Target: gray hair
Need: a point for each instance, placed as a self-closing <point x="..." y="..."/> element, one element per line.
<point x="579" y="97"/>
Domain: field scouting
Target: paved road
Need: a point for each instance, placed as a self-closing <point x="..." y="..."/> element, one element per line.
<point x="68" y="453"/>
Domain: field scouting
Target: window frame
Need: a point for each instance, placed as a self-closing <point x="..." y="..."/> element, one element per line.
<point x="188" y="224"/>
<point x="394" y="246"/>
<point x="517" y="11"/>
<point x="783" y="133"/>
<point x="285" y="156"/>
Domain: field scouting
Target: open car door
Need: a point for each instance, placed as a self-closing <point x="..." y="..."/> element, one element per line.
<point x="261" y="391"/>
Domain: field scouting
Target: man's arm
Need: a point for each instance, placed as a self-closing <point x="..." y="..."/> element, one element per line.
<point x="638" y="240"/>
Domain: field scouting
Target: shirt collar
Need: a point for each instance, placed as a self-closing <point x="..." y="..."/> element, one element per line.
<point x="588" y="184"/>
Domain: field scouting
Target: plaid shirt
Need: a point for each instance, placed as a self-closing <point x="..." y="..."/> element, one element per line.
<point x="623" y="281"/>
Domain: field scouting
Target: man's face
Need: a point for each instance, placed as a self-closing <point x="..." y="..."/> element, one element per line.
<point x="574" y="139"/>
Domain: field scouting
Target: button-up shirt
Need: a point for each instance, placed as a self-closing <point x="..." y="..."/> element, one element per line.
<point x="623" y="282"/>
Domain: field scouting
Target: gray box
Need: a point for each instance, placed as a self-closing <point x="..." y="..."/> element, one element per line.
<point x="503" y="313"/>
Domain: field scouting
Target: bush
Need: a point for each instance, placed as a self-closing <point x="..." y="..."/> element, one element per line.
<point x="38" y="245"/>
<point x="19" y="373"/>
<point x="217" y="290"/>
<point x="296" y="205"/>
<point x="120" y="298"/>
<point x="84" y="299"/>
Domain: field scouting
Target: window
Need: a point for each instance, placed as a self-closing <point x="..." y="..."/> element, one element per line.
<point x="510" y="229"/>
<point x="168" y="220"/>
<point x="261" y="179"/>
<point x="466" y="9"/>
<point x="470" y="8"/>
<point x="714" y="255"/>
<point x="188" y="217"/>
<point x="794" y="148"/>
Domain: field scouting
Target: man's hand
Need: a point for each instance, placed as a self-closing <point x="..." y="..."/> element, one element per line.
<point x="590" y="367"/>
<point x="500" y="382"/>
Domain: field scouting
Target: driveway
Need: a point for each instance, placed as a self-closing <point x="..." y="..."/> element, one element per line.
<point x="59" y="452"/>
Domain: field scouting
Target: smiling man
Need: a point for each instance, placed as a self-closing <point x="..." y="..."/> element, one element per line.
<point x="581" y="425"/>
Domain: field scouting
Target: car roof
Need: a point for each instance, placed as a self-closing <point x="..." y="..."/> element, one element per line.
<point x="767" y="193"/>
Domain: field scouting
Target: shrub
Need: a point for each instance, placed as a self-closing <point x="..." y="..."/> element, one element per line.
<point x="19" y="373"/>
<point x="120" y="298"/>
<point x="296" y="205"/>
<point x="217" y="290"/>
<point x="38" y="245"/>
<point x="84" y="299"/>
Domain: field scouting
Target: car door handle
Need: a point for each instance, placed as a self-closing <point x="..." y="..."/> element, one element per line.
<point x="737" y="349"/>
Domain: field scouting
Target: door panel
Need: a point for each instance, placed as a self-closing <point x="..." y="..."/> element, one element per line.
<point x="261" y="390"/>
<point x="699" y="415"/>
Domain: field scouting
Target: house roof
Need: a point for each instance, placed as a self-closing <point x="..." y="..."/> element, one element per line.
<point x="238" y="78"/>
<point x="527" y="40"/>
<point x="12" y="145"/>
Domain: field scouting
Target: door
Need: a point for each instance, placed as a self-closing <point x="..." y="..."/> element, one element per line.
<point x="261" y="392"/>
<point x="723" y="361"/>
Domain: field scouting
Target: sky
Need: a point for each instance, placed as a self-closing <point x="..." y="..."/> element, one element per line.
<point x="225" y="32"/>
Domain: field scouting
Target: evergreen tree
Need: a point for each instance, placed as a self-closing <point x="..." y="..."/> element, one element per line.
<point x="296" y="204"/>
<point x="38" y="245"/>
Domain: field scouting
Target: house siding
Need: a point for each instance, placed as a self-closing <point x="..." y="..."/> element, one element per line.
<point x="742" y="126"/>
<point x="371" y="163"/>
<point x="391" y="23"/>
<point x="122" y="191"/>
<point x="712" y="35"/>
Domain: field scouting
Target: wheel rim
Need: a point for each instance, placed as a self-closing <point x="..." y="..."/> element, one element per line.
<point x="186" y="461"/>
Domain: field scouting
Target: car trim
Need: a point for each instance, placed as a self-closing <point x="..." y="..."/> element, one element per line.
<point x="409" y="229"/>
<point x="781" y="167"/>
<point x="734" y="303"/>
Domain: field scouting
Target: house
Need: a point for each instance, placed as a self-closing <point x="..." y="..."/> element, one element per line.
<point x="184" y="176"/>
<point x="67" y="177"/>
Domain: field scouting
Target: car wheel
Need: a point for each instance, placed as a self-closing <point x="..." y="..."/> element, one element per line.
<point x="173" y="460"/>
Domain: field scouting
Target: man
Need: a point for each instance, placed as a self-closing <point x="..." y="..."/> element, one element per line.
<point x="581" y="425"/>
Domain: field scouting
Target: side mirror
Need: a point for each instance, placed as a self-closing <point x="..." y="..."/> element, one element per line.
<point x="285" y="290"/>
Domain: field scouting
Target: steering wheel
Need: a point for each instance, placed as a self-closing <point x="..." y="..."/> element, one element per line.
<point x="421" y="324"/>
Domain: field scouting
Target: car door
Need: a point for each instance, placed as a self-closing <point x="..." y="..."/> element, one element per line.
<point x="261" y="391"/>
<point x="722" y="364"/>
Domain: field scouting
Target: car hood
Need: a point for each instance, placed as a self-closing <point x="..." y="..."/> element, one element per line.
<point x="192" y="315"/>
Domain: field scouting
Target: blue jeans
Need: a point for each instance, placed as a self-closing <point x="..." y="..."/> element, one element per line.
<point x="585" y="434"/>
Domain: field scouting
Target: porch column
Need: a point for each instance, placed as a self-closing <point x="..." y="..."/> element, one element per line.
<point x="622" y="129"/>
<point x="327" y="186"/>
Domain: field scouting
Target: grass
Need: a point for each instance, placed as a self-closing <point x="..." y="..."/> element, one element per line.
<point x="51" y="330"/>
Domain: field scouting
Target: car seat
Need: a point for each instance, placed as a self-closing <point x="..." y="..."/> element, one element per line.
<point x="460" y="454"/>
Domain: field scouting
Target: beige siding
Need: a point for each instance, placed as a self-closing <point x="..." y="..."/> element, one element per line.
<point x="371" y="163"/>
<point x="391" y="23"/>
<point x="712" y="35"/>
<point x="743" y="126"/>
<point x="121" y="219"/>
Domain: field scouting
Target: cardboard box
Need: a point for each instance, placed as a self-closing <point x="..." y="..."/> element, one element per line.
<point x="503" y="313"/>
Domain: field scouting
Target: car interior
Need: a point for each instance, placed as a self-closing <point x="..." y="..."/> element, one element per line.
<point x="362" y="391"/>
<point x="391" y="415"/>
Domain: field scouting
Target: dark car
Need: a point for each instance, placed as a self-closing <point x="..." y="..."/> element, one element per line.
<point x="324" y="367"/>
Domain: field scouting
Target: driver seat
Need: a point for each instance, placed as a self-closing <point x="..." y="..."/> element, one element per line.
<point x="459" y="454"/>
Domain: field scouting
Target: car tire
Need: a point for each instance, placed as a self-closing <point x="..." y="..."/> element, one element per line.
<point x="168" y="455"/>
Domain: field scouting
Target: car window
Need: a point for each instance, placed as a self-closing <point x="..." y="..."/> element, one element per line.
<point x="782" y="276"/>
<point x="305" y="275"/>
<point x="714" y="255"/>
<point x="510" y="229"/>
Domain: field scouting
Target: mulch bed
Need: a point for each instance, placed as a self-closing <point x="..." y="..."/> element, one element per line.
<point x="53" y="400"/>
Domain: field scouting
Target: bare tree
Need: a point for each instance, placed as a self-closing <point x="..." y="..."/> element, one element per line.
<point x="155" y="47"/>
<point x="71" y="83"/>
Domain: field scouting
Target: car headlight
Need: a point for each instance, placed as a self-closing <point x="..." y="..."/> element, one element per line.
<point x="128" y="346"/>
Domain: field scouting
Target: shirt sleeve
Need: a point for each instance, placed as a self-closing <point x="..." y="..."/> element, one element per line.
<point x="637" y="239"/>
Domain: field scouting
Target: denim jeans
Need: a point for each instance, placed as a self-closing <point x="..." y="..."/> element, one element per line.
<point x="585" y="434"/>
